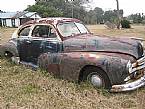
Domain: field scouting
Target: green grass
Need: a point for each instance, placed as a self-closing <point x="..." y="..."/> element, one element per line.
<point x="23" y="88"/>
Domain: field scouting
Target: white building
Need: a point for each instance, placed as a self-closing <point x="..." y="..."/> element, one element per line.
<point x="15" y="19"/>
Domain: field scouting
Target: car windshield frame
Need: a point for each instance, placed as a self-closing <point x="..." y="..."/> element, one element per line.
<point x="67" y="29"/>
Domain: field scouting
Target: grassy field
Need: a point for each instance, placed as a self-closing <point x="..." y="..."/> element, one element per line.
<point x="23" y="88"/>
<point x="135" y="31"/>
<point x="5" y="34"/>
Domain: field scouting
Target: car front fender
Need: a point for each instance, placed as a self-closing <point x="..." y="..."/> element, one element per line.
<point x="72" y="64"/>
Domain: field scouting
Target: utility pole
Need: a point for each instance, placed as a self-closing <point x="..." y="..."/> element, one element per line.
<point x="72" y="7"/>
<point x="118" y="15"/>
<point x="72" y="13"/>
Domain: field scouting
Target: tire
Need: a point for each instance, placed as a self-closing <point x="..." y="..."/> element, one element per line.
<point x="12" y="58"/>
<point x="8" y="55"/>
<point x="96" y="77"/>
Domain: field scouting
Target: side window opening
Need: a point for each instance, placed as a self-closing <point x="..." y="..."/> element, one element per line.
<point x="24" y="32"/>
<point x="44" y="31"/>
<point x="68" y="29"/>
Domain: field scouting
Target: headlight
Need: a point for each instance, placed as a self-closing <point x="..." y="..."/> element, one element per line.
<point x="141" y="43"/>
<point x="141" y="47"/>
<point x="129" y="67"/>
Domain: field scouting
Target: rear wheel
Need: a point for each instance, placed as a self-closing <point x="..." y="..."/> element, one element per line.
<point x="8" y="55"/>
<point x="96" y="77"/>
<point x="12" y="58"/>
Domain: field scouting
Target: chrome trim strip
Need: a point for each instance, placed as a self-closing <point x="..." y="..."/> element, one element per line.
<point x="128" y="86"/>
<point x="138" y="65"/>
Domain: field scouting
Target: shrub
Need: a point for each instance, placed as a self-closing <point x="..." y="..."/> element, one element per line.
<point x="125" y="24"/>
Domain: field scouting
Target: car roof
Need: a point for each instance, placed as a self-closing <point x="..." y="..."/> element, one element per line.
<point x="51" y="20"/>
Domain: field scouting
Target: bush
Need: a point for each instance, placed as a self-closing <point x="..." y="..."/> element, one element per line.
<point x="125" y="24"/>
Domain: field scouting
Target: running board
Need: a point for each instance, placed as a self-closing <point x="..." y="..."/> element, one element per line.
<point x="30" y="65"/>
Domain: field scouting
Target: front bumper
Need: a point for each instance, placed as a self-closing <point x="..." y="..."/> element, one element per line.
<point x="138" y="66"/>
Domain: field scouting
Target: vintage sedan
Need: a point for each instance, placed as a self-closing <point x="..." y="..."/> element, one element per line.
<point x="65" y="48"/>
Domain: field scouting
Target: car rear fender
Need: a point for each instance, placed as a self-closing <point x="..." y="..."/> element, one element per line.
<point x="10" y="48"/>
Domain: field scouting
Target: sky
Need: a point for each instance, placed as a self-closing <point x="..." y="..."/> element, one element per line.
<point x="129" y="6"/>
<point x="15" y="5"/>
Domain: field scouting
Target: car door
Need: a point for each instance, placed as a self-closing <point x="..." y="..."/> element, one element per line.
<point x="34" y="40"/>
<point x="48" y="36"/>
<point x="30" y="42"/>
<point x="39" y="40"/>
<point x="44" y="39"/>
<point x="23" y="43"/>
<point x="50" y="47"/>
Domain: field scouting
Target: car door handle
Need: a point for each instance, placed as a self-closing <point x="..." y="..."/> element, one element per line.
<point x="28" y="41"/>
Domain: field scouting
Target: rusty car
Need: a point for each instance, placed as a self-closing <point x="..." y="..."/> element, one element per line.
<point x="67" y="49"/>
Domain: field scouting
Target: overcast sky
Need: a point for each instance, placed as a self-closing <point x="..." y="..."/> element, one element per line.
<point x="15" y="5"/>
<point x="129" y="6"/>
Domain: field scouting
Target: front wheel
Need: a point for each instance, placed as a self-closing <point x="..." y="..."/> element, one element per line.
<point x="96" y="77"/>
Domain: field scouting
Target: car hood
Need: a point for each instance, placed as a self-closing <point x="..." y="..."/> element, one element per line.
<point x="93" y="43"/>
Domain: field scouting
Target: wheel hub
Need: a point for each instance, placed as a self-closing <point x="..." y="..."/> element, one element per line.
<point x="96" y="81"/>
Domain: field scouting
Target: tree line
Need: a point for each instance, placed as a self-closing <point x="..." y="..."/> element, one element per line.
<point x="60" y="8"/>
<point x="74" y="8"/>
<point x="137" y="18"/>
<point x="78" y="9"/>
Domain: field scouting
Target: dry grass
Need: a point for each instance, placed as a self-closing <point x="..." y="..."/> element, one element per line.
<point x="22" y="88"/>
<point x="5" y="34"/>
<point x="26" y="89"/>
<point x="135" y="31"/>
